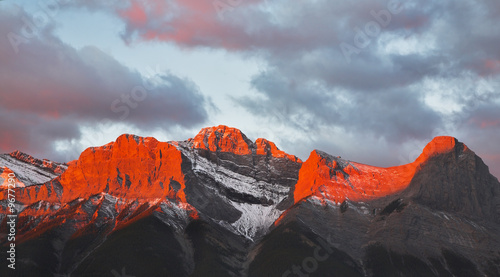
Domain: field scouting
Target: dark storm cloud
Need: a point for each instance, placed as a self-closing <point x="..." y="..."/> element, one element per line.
<point x="379" y="88"/>
<point x="375" y="92"/>
<point x="481" y="132"/>
<point x="465" y="32"/>
<point x="311" y="106"/>
<point x="34" y="134"/>
<point x="309" y="81"/>
<point x="49" y="88"/>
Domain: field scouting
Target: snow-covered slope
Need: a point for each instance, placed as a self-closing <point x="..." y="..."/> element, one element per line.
<point x="221" y="204"/>
<point x="257" y="214"/>
<point x="29" y="171"/>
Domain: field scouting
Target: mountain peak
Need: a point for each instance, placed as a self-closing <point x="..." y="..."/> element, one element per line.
<point x="226" y="188"/>
<point x="266" y="147"/>
<point x="20" y="155"/>
<point x="129" y="139"/>
<point x="57" y="168"/>
<point x="228" y="139"/>
<point x="26" y="157"/>
<point x="223" y="138"/>
<point x="440" y="145"/>
<point x="337" y="179"/>
<point x="131" y="167"/>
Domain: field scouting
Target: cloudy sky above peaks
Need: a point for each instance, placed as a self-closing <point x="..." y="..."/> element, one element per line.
<point x="371" y="80"/>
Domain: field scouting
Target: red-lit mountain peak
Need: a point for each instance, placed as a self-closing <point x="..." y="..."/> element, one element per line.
<point x="336" y="179"/>
<point x="440" y="145"/>
<point x="227" y="139"/>
<point x="133" y="189"/>
<point x="265" y="147"/>
<point x="224" y="139"/>
<point x="28" y="170"/>
<point x="124" y="180"/>
<point x="132" y="167"/>
<point x="57" y="168"/>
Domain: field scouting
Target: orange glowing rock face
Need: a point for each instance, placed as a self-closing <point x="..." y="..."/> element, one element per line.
<point x="265" y="147"/>
<point x="223" y="138"/>
<point x="130" y="168"/>
<point x="337" y="180"/>
<point x="228" y="139"/>
<point x="438" y="145"/>
<point x="140" y="173"/>
<point x="43" y="163"/>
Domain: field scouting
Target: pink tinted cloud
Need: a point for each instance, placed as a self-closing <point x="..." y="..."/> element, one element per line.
<point x="491" y="66"/>
<point x="485" y="121"/>
<point x="135" y="14"/>
<point x="49" y="89"/>
<point x="186" y="22"/>
<point x="489" y="124"/>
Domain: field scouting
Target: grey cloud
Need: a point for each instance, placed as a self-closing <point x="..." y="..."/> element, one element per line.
<point x="53" y="88"/>
<point x="379" y="94"/>
<point x="481" y="132"/>
<point x="396" y="114"/>
<point x="307" y="83"/>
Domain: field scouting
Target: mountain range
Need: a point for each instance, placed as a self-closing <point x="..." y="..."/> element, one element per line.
<point x="220" y="204"/>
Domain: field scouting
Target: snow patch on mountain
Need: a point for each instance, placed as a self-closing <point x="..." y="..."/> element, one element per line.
<point x="255" y="218"/>
<point x="28" y="174"/>
<point x="173" y="215"/>
<point x="238" y="182"/>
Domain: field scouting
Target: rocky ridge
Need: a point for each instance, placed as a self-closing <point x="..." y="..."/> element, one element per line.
<point x="222" y="195"/>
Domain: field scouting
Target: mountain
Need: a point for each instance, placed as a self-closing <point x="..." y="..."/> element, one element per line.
<point x="437" y="216"/>
<point x="220" y="204"/>
<point x="28" y="170"/>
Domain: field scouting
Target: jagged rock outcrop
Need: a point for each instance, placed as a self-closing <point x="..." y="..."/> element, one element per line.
<point x="337" y="179"/>
<point x="221" y="205"/>
<point x="454" y="179"/>
<point x="437" y="216"/>
<point x="28" y="170"/>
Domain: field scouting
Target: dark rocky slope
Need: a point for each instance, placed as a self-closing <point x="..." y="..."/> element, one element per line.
<point x="222" y="205"/>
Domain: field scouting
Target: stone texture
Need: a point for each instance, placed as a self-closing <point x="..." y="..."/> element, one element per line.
<point x="222" y="205"/>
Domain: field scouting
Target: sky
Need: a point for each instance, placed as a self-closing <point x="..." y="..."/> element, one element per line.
<point x="370" y="80"/>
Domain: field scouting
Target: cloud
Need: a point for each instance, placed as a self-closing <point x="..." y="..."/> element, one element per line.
<point x="395" y="114"/>
<point x="310" y="79"/>
<point x="49" y="89"/>
<point x="426" y="69"/>
<point x="415" y="68"/>
<point x="480" y="130"/>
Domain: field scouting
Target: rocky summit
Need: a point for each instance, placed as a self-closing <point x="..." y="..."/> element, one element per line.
<point x="220" y="204"/>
